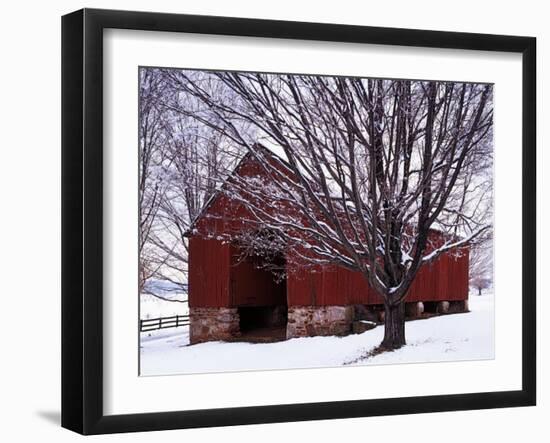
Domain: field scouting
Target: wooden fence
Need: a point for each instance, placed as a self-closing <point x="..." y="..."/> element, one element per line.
<point x="152" y="324"/>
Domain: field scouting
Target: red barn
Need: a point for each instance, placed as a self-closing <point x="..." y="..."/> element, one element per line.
<point x="231" y="298"/>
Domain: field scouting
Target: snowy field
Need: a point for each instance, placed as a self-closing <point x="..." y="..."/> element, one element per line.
<point x="468" y="336"/>
<point x="154" y="307"/>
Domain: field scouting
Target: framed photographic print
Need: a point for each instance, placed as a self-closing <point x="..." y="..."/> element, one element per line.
<point x="269" y="221"/>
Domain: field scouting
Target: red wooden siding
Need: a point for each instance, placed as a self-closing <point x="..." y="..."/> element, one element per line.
<point x="445" y="279"/>
<point x="223" y="214"/>
<point x="217" y="280"/>
<point x="209" y="266"/>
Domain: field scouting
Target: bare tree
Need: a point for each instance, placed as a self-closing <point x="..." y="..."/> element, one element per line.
<point x="151" y="158"/>
<point x="369" y="170"/>
<point x="182" y="162"/>
<point x="481" y="266"/>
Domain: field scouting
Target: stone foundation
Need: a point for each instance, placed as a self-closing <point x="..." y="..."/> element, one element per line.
<point x="211" y="324"/>
<point x="414" y="309"/>
<point x="458" y="306"/>
<point x="452" y="307"/>
<point x="442" y="307"/>
<point x="308" y="321"/>
<point x="365" y="312"/>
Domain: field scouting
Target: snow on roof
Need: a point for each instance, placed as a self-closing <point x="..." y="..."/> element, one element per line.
<point x="271" y="146"/>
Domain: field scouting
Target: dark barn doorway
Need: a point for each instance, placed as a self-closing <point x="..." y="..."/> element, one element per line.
<point x="258" y="289"/>
<point x="263" y="323"/>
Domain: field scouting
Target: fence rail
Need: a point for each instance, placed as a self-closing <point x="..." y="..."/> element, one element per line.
<point x="152" y="324"/>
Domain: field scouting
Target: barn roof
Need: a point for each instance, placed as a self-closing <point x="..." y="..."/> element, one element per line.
<point x="212" y="199"/>
<point x="273" y="152"/>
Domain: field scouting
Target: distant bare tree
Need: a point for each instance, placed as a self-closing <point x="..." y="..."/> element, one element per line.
<point x="151" y="158"/>
<point x="182" y="163"/>
<point x="481" y="266"/>
<point x="370" y="168"/>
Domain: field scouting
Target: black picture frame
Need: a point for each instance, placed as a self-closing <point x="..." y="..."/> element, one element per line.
<point x="82" y="215"/>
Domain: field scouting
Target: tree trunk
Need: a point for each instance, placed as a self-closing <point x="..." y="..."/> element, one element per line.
<point x="394" y="326"/>
<point x="478" y="291"/>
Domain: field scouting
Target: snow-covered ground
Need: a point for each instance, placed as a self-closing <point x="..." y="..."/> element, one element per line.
<point x="154" y="307"/>
<point x="468" y="336"/>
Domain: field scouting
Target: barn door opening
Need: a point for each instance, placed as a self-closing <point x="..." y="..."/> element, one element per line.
<point x="263" y="323"/>
<point x="258" y="287"/>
